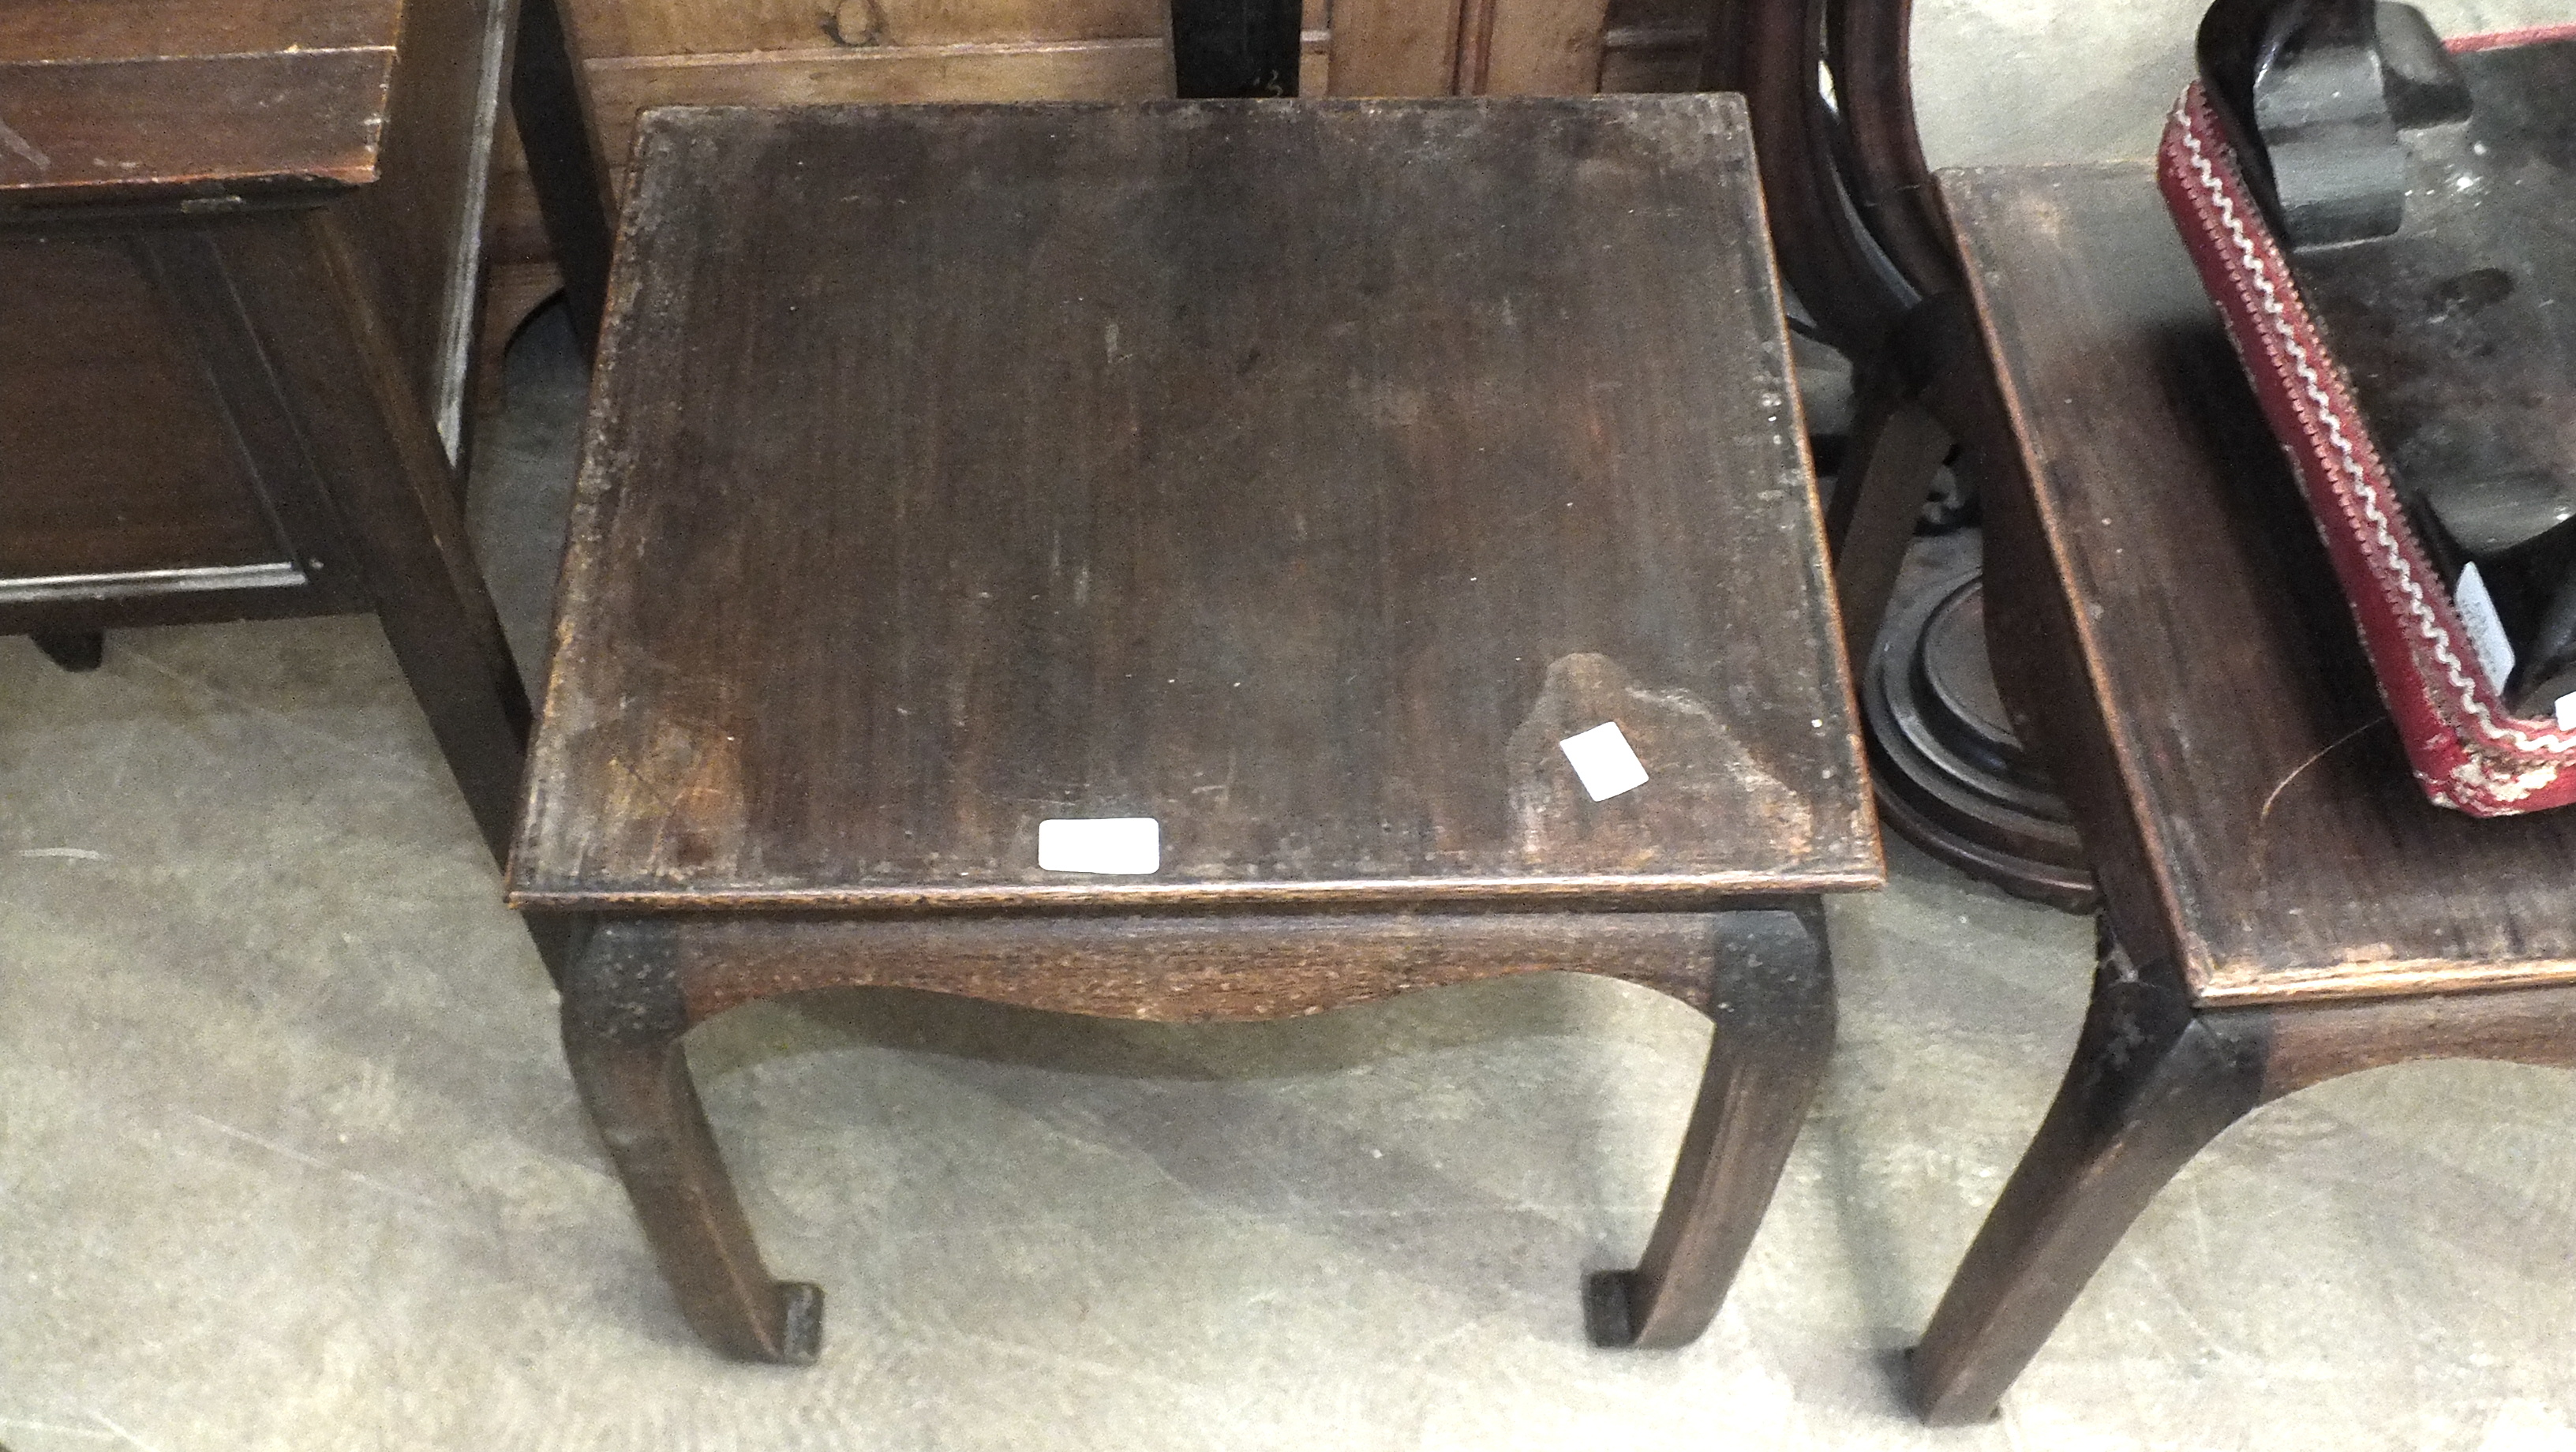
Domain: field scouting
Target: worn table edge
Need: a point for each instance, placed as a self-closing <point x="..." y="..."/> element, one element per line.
<point x="2198" y="970"/>
<point x="98" y="179"/>
<point x="2232" y="985"/>
<point x="679" y="114"/>
<point x="1673" y="893"/>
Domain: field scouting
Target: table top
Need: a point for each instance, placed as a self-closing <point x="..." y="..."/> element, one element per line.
<point x="1297" y="477"/>
<point x="116" y="98"/>
<point x="2260" y="796"/>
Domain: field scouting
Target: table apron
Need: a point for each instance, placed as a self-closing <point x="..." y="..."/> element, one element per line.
<point x="1194" y="968"/>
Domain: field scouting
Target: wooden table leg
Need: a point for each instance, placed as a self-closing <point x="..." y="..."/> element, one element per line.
<point x="1896" y="452"/>
<point x="623" y="1016"/>
<point x="1902" y="428"/>
<point x="636" y="984"/>
<point x="375" y="453"/>
<point x="2152" y="1082"/>
<point x="1774" y="1012"/>
<point x="554" y="133"/>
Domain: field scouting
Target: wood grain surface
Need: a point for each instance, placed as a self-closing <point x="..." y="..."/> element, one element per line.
<point x="1539" y="48"/>
<point x="1395" y="47"/>
<point x="1502" y="47"/>
<point x="1296" y="476"/>
<point x="2194" y="670"/>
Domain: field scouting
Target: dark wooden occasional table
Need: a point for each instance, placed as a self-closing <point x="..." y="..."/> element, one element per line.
<point x="1284" y="482"/>
<point x="2282" y="903"/>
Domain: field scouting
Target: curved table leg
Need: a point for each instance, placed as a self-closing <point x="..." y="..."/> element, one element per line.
<point x="2152" y="1082"/>
<point x="623" y="1016"/>
<point x="1774" y="1011"/>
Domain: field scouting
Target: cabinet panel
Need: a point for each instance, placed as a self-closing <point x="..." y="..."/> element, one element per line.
<point x="115" y="453"/>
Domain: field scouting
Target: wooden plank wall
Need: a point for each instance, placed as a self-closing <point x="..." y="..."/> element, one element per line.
<point x="638" y="54"/>
<point x="1501" y="47"/>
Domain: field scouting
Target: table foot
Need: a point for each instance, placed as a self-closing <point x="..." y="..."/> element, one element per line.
<point x="73" y="650"/>
<point x="1609" y="1316"/>
<point x="623" y="1017"/>
<point x="1774" y="1012"/>
<point x="800" y="1323"/>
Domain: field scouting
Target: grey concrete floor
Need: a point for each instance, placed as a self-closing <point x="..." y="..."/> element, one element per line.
<point x="288" y="1157"/>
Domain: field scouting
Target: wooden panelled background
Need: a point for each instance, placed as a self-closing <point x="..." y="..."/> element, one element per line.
<point x="1501" y="47"/>
<point x="637" y="54"/>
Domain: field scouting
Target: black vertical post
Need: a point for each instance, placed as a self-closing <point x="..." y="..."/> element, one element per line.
<point x="1235" y="47"/>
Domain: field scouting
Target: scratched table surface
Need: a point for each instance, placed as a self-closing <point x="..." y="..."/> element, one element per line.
<point x="151" y="96"/>
<point x="1298" y="477"/>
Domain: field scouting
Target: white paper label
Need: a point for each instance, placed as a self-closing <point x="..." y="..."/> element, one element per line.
<point x="2485" y="627"/>
<point x="2567" y="712"/>
<point x="1100" y="844"/>
<point x="1603" y="761"/>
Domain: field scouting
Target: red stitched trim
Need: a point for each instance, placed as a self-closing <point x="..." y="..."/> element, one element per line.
<point x="2500" y="39"/>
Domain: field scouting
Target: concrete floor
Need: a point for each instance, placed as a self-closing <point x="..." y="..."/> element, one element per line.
<point x="288" y="1157"/>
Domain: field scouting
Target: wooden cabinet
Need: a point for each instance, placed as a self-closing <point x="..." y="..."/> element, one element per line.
<point x="119" y="472"/>
<point x="239" y="243"/>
